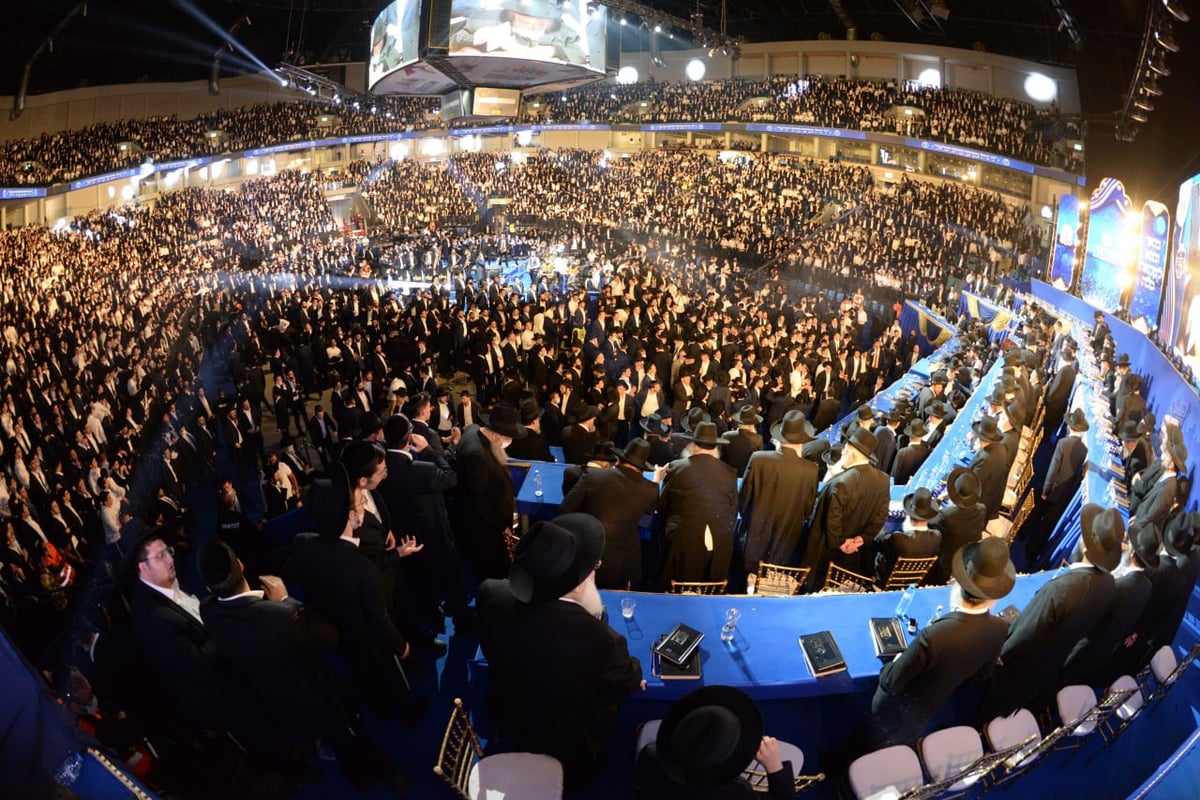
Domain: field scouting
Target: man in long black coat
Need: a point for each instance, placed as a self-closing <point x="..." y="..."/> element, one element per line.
<point x="485" y="499"/>
<point x="619" y="497"/>
<point x="698" y="509"/>
<point x="557" y="672"/>
<point x="1064" y="611"/>
<point x="960" y="522"/>
<point x="957" y="647"/>
<point x="988" y="464"/>
<point x="850" y="511"/>
<point x="738" y="445"/>
<point x="910" y="457"/>
<point x="777" y="496"/>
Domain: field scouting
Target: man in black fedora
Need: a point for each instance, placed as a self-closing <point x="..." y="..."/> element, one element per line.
<point x="1062" y="481"/>
<point x="658" y="434"/>
<point x="484" y="500"/>
<point x="739" y="444"/>
<point x="697" y="510"/>
<point x="938" y="416"/>
<point x="885" y="451"/>
<point x="776" y="497"/>
<point x="619" y="498"/>
<point x="915" y="538"/>
<point x="910" y="457"/>
<point x="556" y="671"/>
<point x="1157" y="504"/>
<point x="988" y="463"/>
<point x="960" y="522"/>
<point x="864" y="417"/>
<point x="958" y="646"/>
<point x="682" y="440"/>
<point x="705" y="742"/>
<point x="934" y="392"/>
<point x="1058" y="390"/>
<point x="1062" y="612"/>
<point x="533" y="446"/>
<point x="579" y="437"/>
<point x="850" y="510"/>
<point x="1135" y="451"/>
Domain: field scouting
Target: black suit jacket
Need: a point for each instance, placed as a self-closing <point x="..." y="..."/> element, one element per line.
<point x="988" y="466"/>
<point x="776" y="498"/>
<point x="533" y="447"/>
<point x="959" y="526"/>
<point x="557" y="675"/>
<point x="698" y="492"/>
<point x="739" y="445"/>
<point x="912" y="688"/>
<point x="1089" y="659"/>
<point x="578" y="443"/>
<point x="852" y="503"/>
<point x="1066" y="469"/>
<point x="618" y="497"/>
<point x="278" y="650"/>
<point x="908" y="461"/>
<point x="484" y="503"/>
<point x="1062" y="612"/>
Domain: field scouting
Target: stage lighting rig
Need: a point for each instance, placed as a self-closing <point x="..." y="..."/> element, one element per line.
<point x="668" y="24"/>
<point x="1158" y="41"/>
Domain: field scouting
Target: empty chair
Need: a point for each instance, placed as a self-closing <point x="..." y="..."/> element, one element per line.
<point x="647" y="733"/>
<point x="840" y="579"/>
<point x="1017" y="734"/>
<point x="950" y="751"/>
<point x="1125" y="695"/>
<point x="461" y="763"/>
<point x="774" y="580"/>
<point x="1073" y="704"/>
<point x="909" y="571"/>
<point x="886" y="773"/>
<point x="698" y="587"/>
<point x="1167" y="671"/>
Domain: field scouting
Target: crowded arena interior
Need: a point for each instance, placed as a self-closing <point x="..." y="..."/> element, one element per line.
<point x="545" y="399"/>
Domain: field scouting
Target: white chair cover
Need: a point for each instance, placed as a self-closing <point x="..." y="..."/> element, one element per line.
<point x="516" y="776"/>
<point x="951" y="750"/>
<point x="885" y="773"/>
<point x="1130" y="708"/>
<point x="1073" y="703"/>
<point x="1010" y="731"/>
<point x="1163" y="663"/>
<point x="646" y="734"/>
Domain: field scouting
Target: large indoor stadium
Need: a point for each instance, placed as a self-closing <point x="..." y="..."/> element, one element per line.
<point x="595" y="399"/>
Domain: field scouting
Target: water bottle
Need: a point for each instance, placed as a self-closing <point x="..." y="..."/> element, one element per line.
<point x="730" y="626"/>
<point x="906" y="599"/>
<point x="68" y="772"/>
<point x="537" y="482"/>
<point x="937" y="613"/>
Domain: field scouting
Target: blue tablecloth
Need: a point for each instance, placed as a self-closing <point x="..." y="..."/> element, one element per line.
<point x="764" y="657"/>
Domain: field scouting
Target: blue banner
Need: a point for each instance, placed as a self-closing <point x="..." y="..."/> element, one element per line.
<point x="22" y="193"/>
<point x="1066" y="243"/>
<point x="1106" y="259"/>
<point x="805" y="130"/>
<point x="1179" y="328"/>
<point x="1152" y="263"/>
<point x="1000" y="320"/>
<point x="970" y="154"/>
<point x="96" y="180"/>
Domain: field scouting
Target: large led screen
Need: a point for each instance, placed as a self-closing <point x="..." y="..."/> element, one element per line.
<point x="1066" y="233"/>
<point x="394" y="39"/>
<point x="534" y="30"/>
<point x="1180" y="328"/>
<point x="1152" y="262"/>
<point x="1107" y="255"/>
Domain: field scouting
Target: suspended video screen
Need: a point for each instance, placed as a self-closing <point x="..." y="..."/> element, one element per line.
<point x="1180" y="325"/>
<point x="534" y="30"/>
<point x="393" y="39"/>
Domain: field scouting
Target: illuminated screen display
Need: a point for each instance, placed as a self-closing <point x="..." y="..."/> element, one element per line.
<point x="1107" y="255"/>
<point x="393" y="39"/>
<point x="534" y="30"/>
<point x="1066" y="240"/>
<point x="496" y="102"/>
<point x="1152" y="262"/>
<point x="1180" y="328"/>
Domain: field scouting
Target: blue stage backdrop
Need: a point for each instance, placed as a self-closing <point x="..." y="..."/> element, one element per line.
<point x="1106" y="258"/>
<point x="1180" y="328"/>
<point x="1152" y="262"/>
<point x="1066" y="241"/>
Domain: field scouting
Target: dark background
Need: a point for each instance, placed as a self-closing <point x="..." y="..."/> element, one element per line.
<point x="119" y="42"/>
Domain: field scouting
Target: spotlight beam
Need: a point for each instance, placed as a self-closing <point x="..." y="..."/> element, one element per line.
<point x="214" y="78"/>
<point x="47" y="44"/>
<point x="204" y="20"/>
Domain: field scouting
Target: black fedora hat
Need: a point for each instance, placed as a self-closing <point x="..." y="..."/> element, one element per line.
<point x="937" y="409"/>
<point x="635" y="453"/>
<point x="1179" y="535"/>
<point x="709" y="736"/>
<point x="1130" y="431"/>
<point x="1103" y="532"/>
<point x="582" y="412"/>
<point x="986" y="429"/>
<point x="1123" y="360"/>
<point x="962" y="485"/>
<point x="921" y="504"/>
<point x="1177" y="451"/>
<point x="327" y="501"/>
<point x="865" y="414"/>
<point x="603" y="451"/>
<point x="917" y="429"/>
<point x="555" y="556"/>
<point x="705" y="435"/>
<point x="863" y="441"/>
<point x="1077" y="421"/>
<point x="794" y="428"/>
<point x="1015" y="414"/>
<point x="692" y="418"/>
<point x="996" y="397"/>
<point x="1146" y="544"/>
<point x="897" y="414"/>
<point x="983" y="569"/>
<point x="747" y="416"/>
<point x="503" y="419"/>
<point x="833" y="454"/>
<point x="653" y="423"/>
<point x="530" y="411"/>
